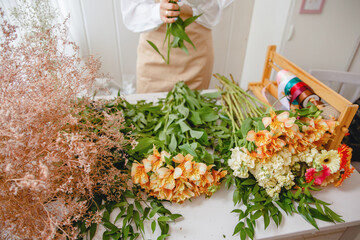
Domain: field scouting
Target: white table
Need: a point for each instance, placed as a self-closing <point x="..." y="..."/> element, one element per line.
<point x="211" y="219"/>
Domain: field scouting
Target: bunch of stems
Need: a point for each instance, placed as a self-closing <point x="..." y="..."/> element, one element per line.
<point x="238" y="104"/>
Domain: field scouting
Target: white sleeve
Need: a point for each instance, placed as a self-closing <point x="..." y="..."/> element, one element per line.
<point x="210" y="10"/>
<point x="141" y="15"/>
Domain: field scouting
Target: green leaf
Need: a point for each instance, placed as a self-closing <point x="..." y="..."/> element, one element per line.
<point x="237" y="211"/>
<point x="190" y="20"/>
<point x="121" y="213"/>
<point x="93" y="228"/>
<point x="162" y="237"/>
<point x="144" y="144"/>
<point x="250" y="232"/>
<point x="175" y="216"/>
<point x="297" y="194"/>
<point x="105" y="236"/>
<point x="175" y="42"/>
<point x="154" y="211"/>
<point x="266" y="219"/>
<point x="156" y="49"/>
<point x="136" y="218"/>
<point x="255" y="189"/>
<point x="255" y="207"/>
<point x="146" y="213"/>
<point x="207" y="114"/>
<point x="164" y="219"/>
<point x="238" y="227"/>
<point x="126" y="231"/>
<point x="130" y="211"/>
<point x="216" y="94"/>
<point x="195" y="118"/>
<point x="153" y="226"/>
<point x="179" y="32"/>
<point x="187" y="148"/>
<point x="184" y="127"/>
<point x="306" y="215"/>
<point x="158" y="126"/>
<point x="110" y="226"/>
<point x="106" y="216"/>
<point x="121" y="204"/>
<point x="333" y="215"/>
<point x="228" y="182"/>
<point x="318" y="207"/>
<point x="173" y="143"/>
<point x="246" y="126"/>
<point x="196" y="134"/>
<point x="242" y="234"/>
<point x="248" y="182"/>
<point x="236" y="196"/>
<point x="256" y="215"/>
<point x="139" y="207"/>
<point x="317" y="214"/>
<point x="183" y="47"/>
<point x="250" y="224"/>
<point x="183" y="110"/>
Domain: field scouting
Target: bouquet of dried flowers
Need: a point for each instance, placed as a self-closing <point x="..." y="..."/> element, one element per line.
<point x="56" y="154"/>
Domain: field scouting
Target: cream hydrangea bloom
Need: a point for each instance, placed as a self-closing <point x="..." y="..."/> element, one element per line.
<point x="272" y="174"/>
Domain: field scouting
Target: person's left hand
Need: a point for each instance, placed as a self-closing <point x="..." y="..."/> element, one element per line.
<point x="169" y="11"/>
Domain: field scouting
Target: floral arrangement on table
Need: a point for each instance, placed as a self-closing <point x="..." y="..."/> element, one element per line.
<point x="278" y="157"/>
<point x="68" y="163"/>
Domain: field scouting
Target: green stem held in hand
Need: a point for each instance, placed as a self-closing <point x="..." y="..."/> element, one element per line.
<point x="176" y="31"/>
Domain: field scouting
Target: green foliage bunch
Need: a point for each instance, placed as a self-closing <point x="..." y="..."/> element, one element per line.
<point x="175" y="36"/>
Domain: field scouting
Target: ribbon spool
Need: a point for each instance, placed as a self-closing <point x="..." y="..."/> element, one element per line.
<point x="298" y="92"/>
<point x="295" y="90"/>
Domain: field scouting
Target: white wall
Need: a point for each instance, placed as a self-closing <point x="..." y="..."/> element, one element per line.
<point x="267" y="28"/>
<point x="325" y="40"/>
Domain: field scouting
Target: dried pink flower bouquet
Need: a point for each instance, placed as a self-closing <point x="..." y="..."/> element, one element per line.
<point x="52" y="158"/>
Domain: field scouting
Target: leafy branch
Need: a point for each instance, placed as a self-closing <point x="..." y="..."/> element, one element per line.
<point x="176" y="31"/>
<point x="259" y="204"/>
<point x="134" y="214"/>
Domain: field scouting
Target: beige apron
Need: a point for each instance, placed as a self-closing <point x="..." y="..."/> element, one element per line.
<point x="154" y="75"/>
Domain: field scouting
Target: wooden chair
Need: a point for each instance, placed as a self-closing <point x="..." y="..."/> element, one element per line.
<point x="275" y="61"/>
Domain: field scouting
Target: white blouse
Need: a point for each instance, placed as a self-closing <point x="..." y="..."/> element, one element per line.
<point x="144" y="15"/>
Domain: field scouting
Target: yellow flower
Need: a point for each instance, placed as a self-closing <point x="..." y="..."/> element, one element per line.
<point x="329" y="158"/>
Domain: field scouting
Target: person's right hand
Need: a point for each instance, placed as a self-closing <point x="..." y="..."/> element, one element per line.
<point x="169" y="11"/>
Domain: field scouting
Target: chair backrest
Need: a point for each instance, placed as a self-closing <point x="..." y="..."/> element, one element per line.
<point x="347" y="84"/>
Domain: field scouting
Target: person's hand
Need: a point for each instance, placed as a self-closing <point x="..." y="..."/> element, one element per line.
<point x="169" y="11"/>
